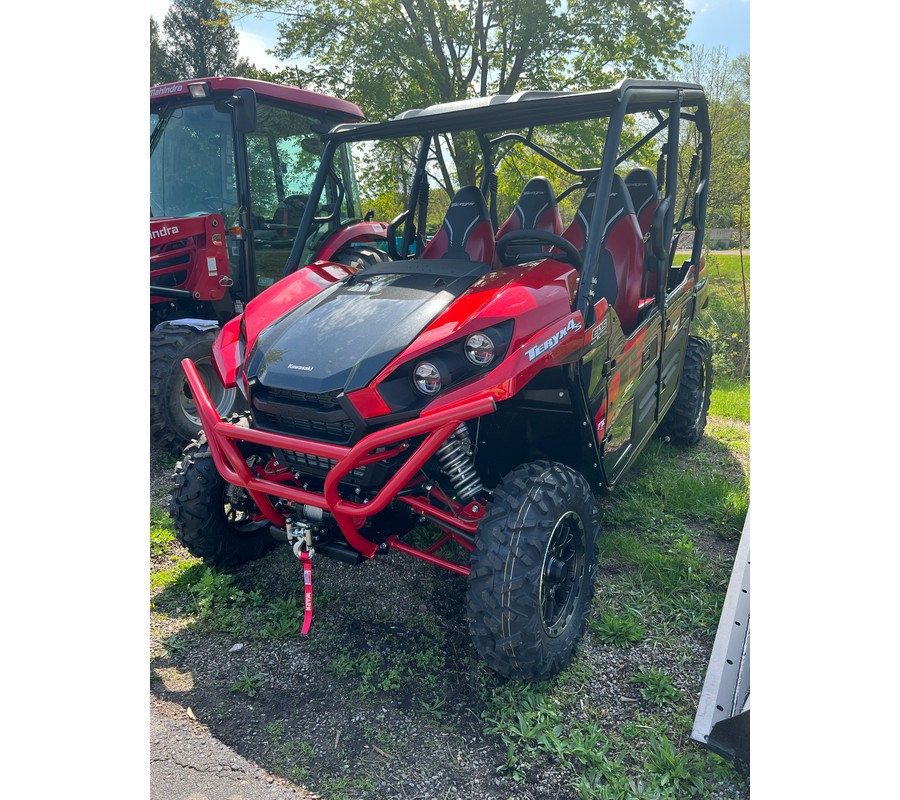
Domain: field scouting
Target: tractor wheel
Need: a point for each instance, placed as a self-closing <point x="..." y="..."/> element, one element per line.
<point x="173" y="415"/>
<point x="215" y="520"/>
<point x="685" y="421"/>
<point x="360" y="257"/>
<point x="532" y="571"/>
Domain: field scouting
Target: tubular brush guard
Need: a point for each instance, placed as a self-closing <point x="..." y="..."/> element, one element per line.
<point x="350" y="516"/>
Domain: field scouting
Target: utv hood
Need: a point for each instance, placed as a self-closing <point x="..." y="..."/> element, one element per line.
<point x="344" y="336"/>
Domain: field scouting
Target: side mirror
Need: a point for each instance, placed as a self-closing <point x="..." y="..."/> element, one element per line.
<point x="243" y="110"/>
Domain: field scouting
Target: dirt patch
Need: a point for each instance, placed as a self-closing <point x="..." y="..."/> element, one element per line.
<point x="386" y="698"/>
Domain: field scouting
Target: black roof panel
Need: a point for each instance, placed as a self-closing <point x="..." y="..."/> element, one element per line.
<point x="522" y="110"/>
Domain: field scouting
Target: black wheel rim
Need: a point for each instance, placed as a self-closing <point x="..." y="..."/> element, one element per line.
<point x="562" y="573"/>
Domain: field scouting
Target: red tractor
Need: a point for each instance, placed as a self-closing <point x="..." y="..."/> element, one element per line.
<point x="483" y="386"/>
<point x="231" y="165"/>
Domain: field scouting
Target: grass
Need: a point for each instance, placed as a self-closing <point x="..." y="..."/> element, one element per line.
<point x="668" y="532"/>
<point x="656" y="687"/>
<point x="667" y="495"/>
<point x="292" y="757"/>
<point x="730" y="398"/>
<point x="722" y="323"/>
<point x="162" y="533"/>
<point x="621" y="629"/>
<point x="727" y="266"/>
<point x="537" y="724"/>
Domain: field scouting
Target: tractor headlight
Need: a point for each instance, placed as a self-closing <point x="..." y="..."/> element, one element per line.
<point x="480" y="349"/>
<point x="427" y="378"/>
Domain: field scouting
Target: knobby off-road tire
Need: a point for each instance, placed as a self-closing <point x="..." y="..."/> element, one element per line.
<point x="685" y="421"/>
<point x="173" y="414"/>
<point x="211" y="516"/>
<point x="532" y="571"/>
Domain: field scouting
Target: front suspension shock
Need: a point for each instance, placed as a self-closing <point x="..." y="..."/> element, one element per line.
<point x="455" y="456"/>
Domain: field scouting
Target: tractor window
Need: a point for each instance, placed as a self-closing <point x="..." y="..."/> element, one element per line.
<point x="283" y="156"/>
<point x="339" y="204"/>
<point x="192" y="164"/>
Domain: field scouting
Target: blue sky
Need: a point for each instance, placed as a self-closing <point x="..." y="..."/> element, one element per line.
<point x="721" y="22"/>
<point x="716" y="22"/>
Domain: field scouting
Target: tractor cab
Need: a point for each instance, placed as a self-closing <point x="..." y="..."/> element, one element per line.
<point x="249" y="152"/>
<point x="232" y="162"/>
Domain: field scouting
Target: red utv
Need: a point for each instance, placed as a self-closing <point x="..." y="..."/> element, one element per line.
<point x="487" y="386"/>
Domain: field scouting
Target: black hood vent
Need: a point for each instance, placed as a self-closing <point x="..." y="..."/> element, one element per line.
<point x="344" y="336"/>
<point x="340" y="339"/>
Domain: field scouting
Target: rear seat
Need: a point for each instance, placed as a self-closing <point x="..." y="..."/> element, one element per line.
<point x="645" y="198"/>
<point x="622" y="250"/>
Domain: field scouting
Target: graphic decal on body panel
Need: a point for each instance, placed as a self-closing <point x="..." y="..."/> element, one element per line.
<point x="599" y="330"/>
<point x="553" y="341"/>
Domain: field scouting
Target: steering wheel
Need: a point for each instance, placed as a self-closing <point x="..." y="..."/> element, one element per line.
<point x="217" y="204"/>
<point x="570" y="254"/>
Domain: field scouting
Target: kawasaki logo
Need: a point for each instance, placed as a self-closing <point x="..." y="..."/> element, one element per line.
<point x="302" y="367"/>
<point x="165" y="230"/>
<point x="554" y="340"/>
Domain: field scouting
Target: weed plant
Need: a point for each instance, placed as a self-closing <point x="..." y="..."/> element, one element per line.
<point x="725" y="321"/>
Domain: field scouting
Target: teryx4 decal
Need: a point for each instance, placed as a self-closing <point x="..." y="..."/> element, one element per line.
<point x="553" y="341"/>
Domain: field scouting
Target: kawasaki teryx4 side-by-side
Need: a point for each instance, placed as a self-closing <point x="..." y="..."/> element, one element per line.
<point x="486" y="380"/>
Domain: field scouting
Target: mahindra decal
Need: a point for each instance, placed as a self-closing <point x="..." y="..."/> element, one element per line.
<point x="165" y="230"/>
<point x="164" y="90"/>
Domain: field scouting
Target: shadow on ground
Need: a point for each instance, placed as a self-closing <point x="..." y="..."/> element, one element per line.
<point x="386" y="696"/>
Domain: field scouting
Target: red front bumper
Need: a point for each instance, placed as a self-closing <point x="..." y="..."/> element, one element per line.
<point x="232" y="466"/>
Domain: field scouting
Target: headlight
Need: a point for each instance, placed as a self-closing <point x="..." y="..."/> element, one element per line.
<point x="427" y="378"/>
<point x="480" y="349"/>
<point x="416" y="382"/>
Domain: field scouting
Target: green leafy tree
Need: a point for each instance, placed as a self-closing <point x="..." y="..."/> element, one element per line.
<point x="389" y="55"/>
<point x="727" y="84"/>
<point x="200" y="41"/>
<point x="160" y="70"/>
